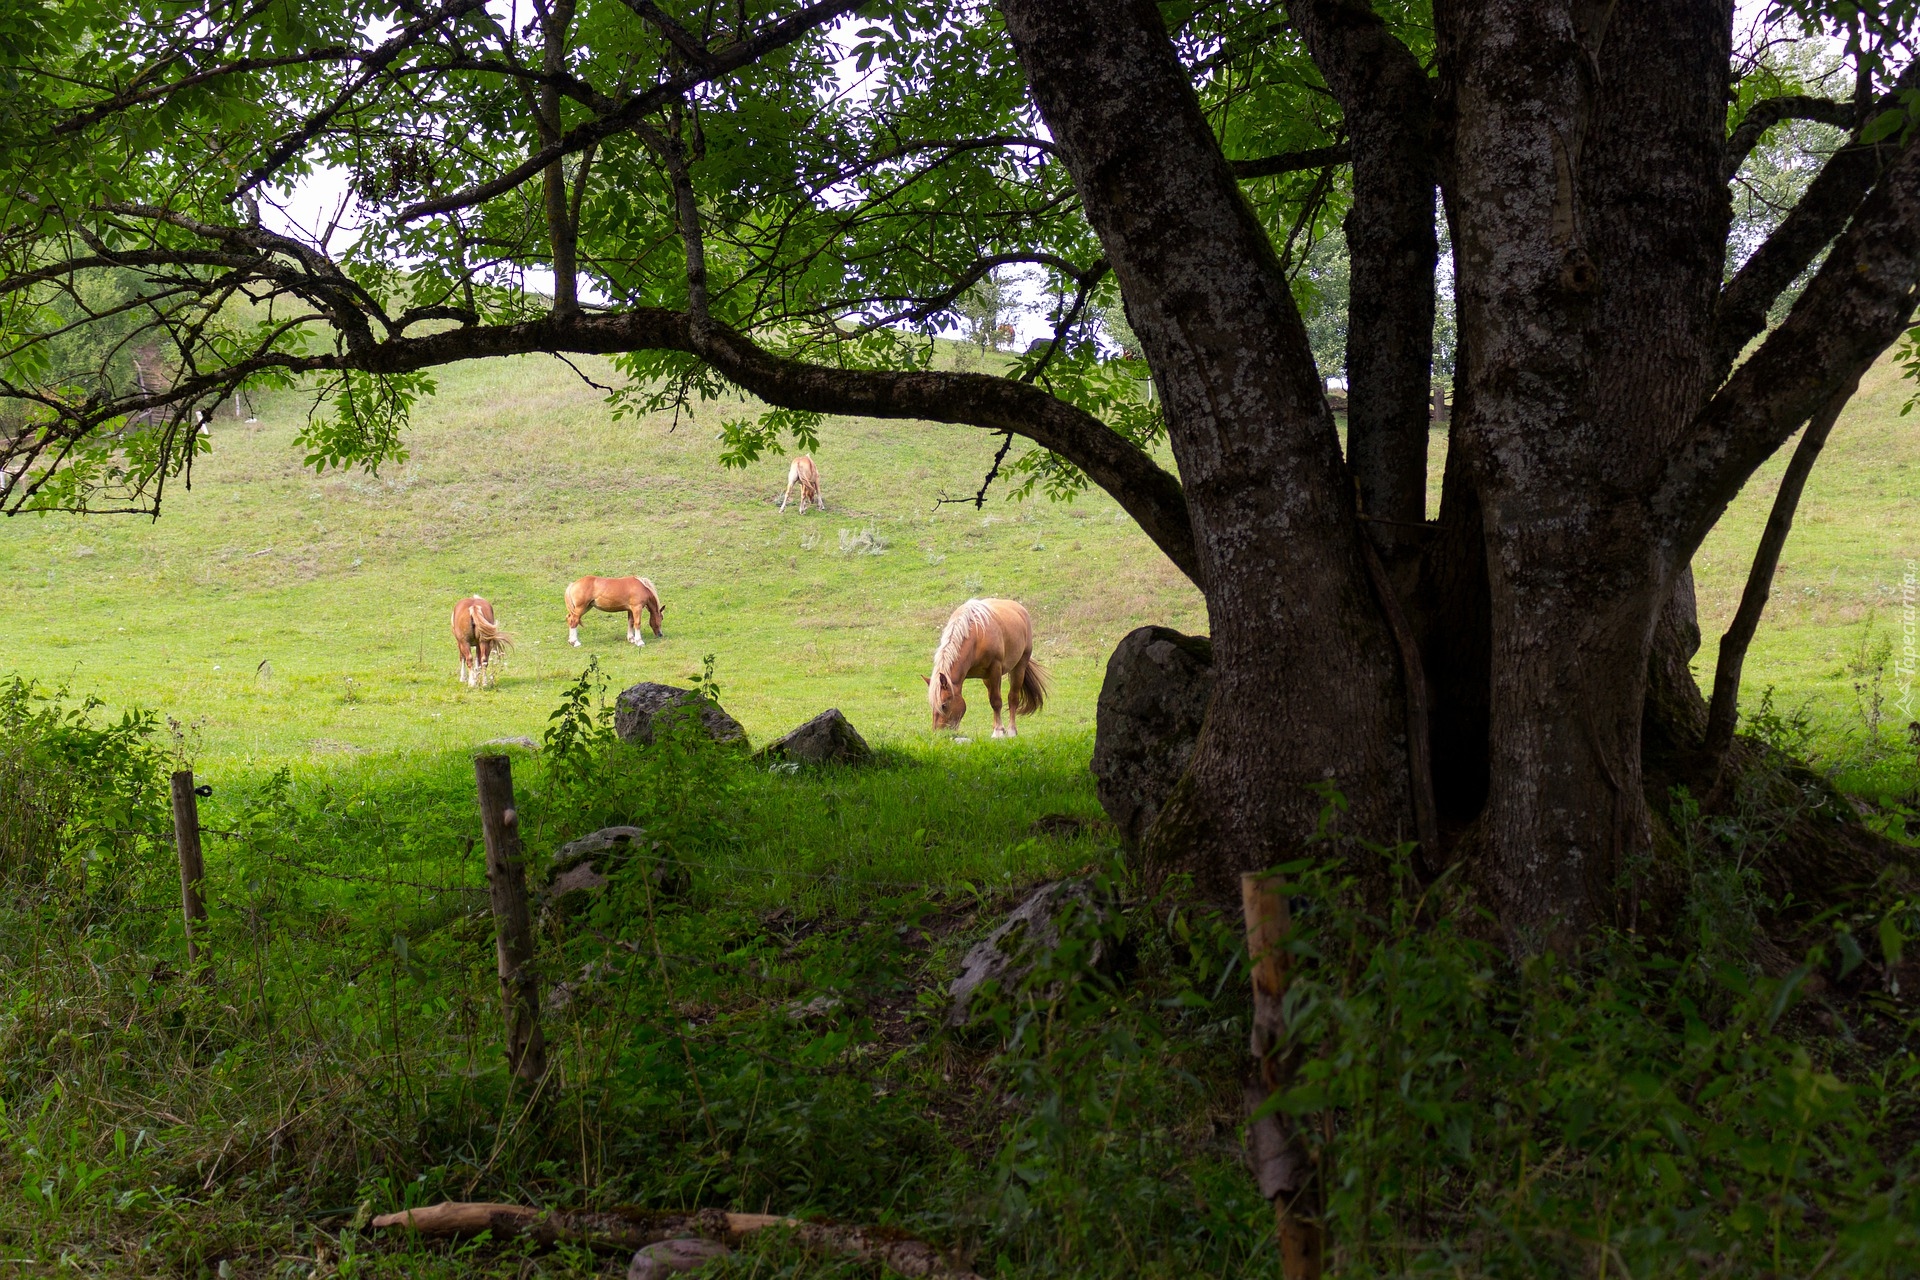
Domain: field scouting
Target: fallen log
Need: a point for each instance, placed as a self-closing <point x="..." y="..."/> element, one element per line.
<point x="637" y="1228"/>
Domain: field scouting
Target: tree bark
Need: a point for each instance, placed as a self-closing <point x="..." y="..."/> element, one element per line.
<point x="1386" y="102"/>
<point x="1306" y="686"/>
<point x="562" y="233"/>
<point x="1590" y="224"/>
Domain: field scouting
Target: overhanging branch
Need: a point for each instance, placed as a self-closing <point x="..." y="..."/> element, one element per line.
<point x="1147" y="492"/>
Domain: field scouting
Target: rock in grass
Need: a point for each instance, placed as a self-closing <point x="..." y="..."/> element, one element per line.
<point x="639" y="709"/>
<point x="1151" y="704"/>
<point x="1024" y="938"/>
<point x="825" y="739"/>
<point x="674" y="1257"/>
<point x="582" y="869"/>
<point x="518" y="740"/>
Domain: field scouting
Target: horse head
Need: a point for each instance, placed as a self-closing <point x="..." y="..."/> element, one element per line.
<point x="944" y="697"/>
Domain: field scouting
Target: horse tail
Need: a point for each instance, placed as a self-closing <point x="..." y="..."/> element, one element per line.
<point x="483" y="629"/>
<point x="1033" y="689"/>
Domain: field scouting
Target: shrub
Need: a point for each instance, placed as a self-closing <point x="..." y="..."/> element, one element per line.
<point x="83" y="797"/>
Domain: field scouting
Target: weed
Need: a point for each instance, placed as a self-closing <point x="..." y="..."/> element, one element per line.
<point x="1867" y="667"/>
<point x="1788" y="732"/>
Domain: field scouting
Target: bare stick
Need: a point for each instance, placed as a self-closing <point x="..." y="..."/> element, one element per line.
<point x="634" y="1228"/>
<point x="512" y="926"/>
<point x="1281" y="1162"/>
<point x="1766" y="559"/>
<point x="186" y="837"/>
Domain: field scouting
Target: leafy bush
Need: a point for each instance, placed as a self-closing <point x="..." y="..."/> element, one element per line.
<point x="83" y="797"/>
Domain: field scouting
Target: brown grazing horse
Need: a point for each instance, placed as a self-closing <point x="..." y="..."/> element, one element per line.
<point x="807" y="476"/>
<point x="478" y="638"/>
<point x="984" y="640"/>
<point x="615" y="595"/>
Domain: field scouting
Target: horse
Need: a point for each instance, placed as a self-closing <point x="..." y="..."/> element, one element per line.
<point x="615" y="595"/>
<point x="478" y="638"/>
<point x="984" y="640"/>
<point x="807" y="476"/>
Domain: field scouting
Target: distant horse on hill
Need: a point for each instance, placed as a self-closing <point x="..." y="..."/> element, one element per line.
<point x="807" y="476"/>
<point x="984" y="640"/>
<point x="478" y="638"/>
<point x="614" y="595"/>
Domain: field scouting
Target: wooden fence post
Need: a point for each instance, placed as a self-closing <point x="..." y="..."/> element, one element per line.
<point x="512" y="927"/>
<point x="1281" y="1162"/>
<point x="186" y="838"/>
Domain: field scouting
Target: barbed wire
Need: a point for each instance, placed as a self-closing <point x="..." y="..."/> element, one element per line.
<point x="730" y="868"/>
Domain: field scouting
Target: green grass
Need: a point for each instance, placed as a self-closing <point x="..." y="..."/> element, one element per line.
<point x="1855" y="539"/>
<point x="519" y="482"/>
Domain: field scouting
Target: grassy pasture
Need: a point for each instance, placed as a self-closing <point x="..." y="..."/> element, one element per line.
<point x="1854" y="541"/>
<point x="519" y="481"/>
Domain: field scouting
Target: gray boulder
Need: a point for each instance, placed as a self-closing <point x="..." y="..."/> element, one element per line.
<point x="1032" y="929"/>
<point x="1147" y="720"/>
<point x="581" y="869"/>
<point x="825" y="739"/>
<point x="639" y="708"/>
<point x="674" y="1257"/>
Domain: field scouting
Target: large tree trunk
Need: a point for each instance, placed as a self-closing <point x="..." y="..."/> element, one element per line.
<point x="1307" y="682"/>
<point x="1591" y="219"/>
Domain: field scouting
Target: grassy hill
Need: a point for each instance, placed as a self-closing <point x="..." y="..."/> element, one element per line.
<point x="291" y="613"/>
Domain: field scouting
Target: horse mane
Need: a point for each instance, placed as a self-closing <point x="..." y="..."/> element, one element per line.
<point x="966" y="620"/>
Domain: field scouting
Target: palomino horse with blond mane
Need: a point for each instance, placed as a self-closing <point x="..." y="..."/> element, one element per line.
<point x="985" y="640"/>
<point x="807" y="476"/>
<point x="478" y="638"/>
<point x="614" y="595"/>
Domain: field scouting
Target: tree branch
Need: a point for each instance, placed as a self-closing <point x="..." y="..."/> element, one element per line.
<point x="1768" y="112"/>
<point x="1149" y="494"/>
<point x="688" y="44"/>
<point x="1724" y="711"/>
<point x="1856" y="306"/>
<point x="637" y="107"/>
<point x="1821" y="214"/>
<point x="370" y="66"/>
<point x="1293" y="161"/>
<point x="1386" y="101"/>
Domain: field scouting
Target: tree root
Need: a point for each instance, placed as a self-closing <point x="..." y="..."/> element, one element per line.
<point x="636" y="1228"/>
